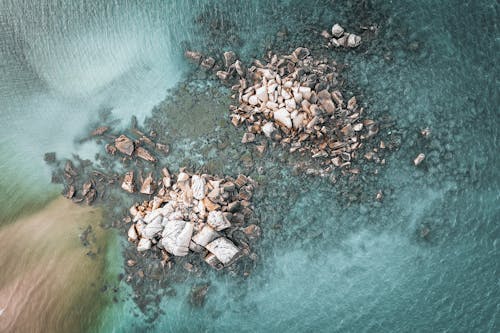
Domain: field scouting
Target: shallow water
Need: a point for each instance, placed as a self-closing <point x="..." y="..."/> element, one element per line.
<point x="323" y="266"/>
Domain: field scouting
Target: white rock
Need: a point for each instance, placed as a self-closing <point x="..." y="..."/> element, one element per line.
<point x="151" y="229"/>
<point x="152" y="215"/>
<point x="132" y="233"/>
<point x="182" y="177"/>
<point x="217" y="220"/>
<point x="205" y="236"/>
<point x="224" y="250"/>
<point x="298" y="120"/>
<point x="283" y="116"/>
<point x="290" y="104"/>
<point x="253" y="100"/>
<point x="198" y="187"/>
<point x="144" y="245"/>
<point x="353" y="40"/>
<point x="261" y="94"/>
<point x="268" y="129"/>
<point x="420" y="157"/>
<point x="337" y="30"/>
<point x="176" y="237"/>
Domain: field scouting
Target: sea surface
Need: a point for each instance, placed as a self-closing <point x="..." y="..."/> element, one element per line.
<point x="325" y="264"/>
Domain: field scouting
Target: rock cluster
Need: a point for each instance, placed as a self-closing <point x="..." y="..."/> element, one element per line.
<point x="339" y="38"/>
<point x="294" y="99"/>
<point x="194" y="213"/>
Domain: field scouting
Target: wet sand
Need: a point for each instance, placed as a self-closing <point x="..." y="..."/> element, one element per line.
<point x="48" y="283"/>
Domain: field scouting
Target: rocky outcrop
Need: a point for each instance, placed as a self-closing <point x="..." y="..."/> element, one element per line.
<point x="125" y="145"/>
<point x="193" y="214"/>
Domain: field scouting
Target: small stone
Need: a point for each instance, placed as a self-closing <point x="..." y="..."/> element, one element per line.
<point x="144" y="245"/>
<point x="132" y="233"/>
<point x="217" y="221"/>
<point x="222" y="75"/>
<point x="198" y="187"/>
<point x="144" y="154"/>
<point x="208" y="63"/>
<point x="128" y="182"/>
<point x="193" y="56"/>
<point x="268" y="129"/>
<point x="86" y="188"/>
<point x="148" y="185"/>
<point x="283" y="117"/>
<point x="229" y="58"/>
<point x="125" y="145"/>
<point x="379" y="196"/>
<point x="209" y="205"/>
<point x="233" y="206"/>
<point x="351" y="103"/>
<point x="353" y="41"/>
<point x="420" y="157"/>
<point x="131" y="263"/>
<point x="252" y="230"/>
<point x="224" y="250"/>
<point x="248" y="137"/>
<point x="337" y="30"/>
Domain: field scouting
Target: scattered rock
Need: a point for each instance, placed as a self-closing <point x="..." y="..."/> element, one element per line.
<point x="125" y="145"/>
<point x="128" y="182"/>
<point x="99" y="131"/>
<point x="419" y="159"/>
<point x="144" y="154"/>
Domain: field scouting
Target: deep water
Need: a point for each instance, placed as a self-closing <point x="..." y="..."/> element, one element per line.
<point x="325" y="265"/>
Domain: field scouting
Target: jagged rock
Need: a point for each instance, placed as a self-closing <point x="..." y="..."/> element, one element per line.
<point x="268" y="129"/>
<point x="205" y="235"/>
<point x="337" y="30"/>
<point x="144" y="154"/>
<point x="71" y="192"/>
<point x="153" y="228"/>
<point x="125" y="145"/>
<point x="209" y="205"/>
<point x="218" y="221"/>
<point x="233" y="206"/>
<point x="283" y="117"/>
<point x="229" y="58"/>
<point x="198" y="187"/>
<point x="176" y="237"/>
<point x="148" y="185"/>
<point x="166" y="180"/>
<point x="351" y="103"/>
<point x="132" y="233"/>
<point x="224" y="250"/>
<point x="86" y="188"/>
<point x="128" y="182"/>
<point x="353" y="41"/>
<point x="208" y="63"/>
<point x="144" y="245"/>
<point x="223" y="75"/>
<point x="212" y="260"/>
<point x="193" y="56"/>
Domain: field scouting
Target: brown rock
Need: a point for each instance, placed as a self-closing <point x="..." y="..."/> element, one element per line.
<point x="110" y="149"/>
<point x="99" y="131"/>
<point x="86" y="188"/>
<point x="71" y="192"/>
<point x="233" y="207"/>
<point x="148" y="185"/>
<point x="252" y="230"/>
<point x="193" y="56"/>
<point x="144" y="154"/>
<point x="208" y="63"/>
<point x="241" y="180"/>
<point x="248" y="137"/>
<point x="125" y="145"/>
<point x="209" y="205"/>
<point x="128" y="182"/>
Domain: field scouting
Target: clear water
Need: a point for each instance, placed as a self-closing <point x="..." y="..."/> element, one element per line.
<point x="329" y="268"/>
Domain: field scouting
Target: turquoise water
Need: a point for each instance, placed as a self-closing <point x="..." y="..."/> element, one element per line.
<point x="323" y="265"/>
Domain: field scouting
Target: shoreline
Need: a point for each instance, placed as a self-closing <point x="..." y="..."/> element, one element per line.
<point x="58" y="273"/>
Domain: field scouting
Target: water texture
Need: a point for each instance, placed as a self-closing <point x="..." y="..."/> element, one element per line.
<point x="325" y="265"/>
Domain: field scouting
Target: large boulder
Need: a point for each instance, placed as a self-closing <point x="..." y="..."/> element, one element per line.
<point x="225" y="251"/>
<point x="205" y="235"/>
<point x="176" y="237"/>
<point x="125" y="145"/>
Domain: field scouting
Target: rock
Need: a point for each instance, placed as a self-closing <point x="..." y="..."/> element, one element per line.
<point x="208" y="63"/>
<point x="262" y="95"/>
<point x="240" y="68"/>
<point x="283" y="116"/>
<point x="228" y="187"/>
<point x="193" y="56"/>
<point x="248" y="137"/>
<point x="217" y="221"/>
<point x="144" y="245"/>
<point x="337" y="30"/>
<point x="166" y="180"/>
<point x="99" y="131"/>
<point x="252" y="230"/>
<point x="125" y="145"/>
<point x="148" y="185"/>
<point x="253" y="100"/>
<point x="212" y="260"/>
<point x="110" y="149"/>
<point x="153" y="228"/>
<point x="128" y="182"/>
<point x="229" y="58"/>
<point x="49" y="157"/>
<point x="132" y="233"/>
<point x="224" y="250"/>
<point x="420" y="157"/>
<point x="351" y="103"/>
<point x="196" y="247"/>
<point x="144" y="154"/>
<point x="86" y="188"/>
<point x="205" y="235"/>
<point x="131" y="263"/>
<point x="152" y="215"/>
<point x="71" y="192"/>
<point x="347" y="130"/>
<point x="223" y="75"/>
<point x="353" y="41"/>
<point x="176" y="237"/>
<point x="209" y="205"/>
<point x="233" y="206"/>
<point x="241" y="180"/>
<point x="182" y="177"/>
<point x="268" y="129"/>
<point x="425" y="132"/>
<point x="198" y="187"/>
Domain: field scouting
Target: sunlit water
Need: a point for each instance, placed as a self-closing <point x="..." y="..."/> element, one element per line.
<point x="329" y="268"/>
